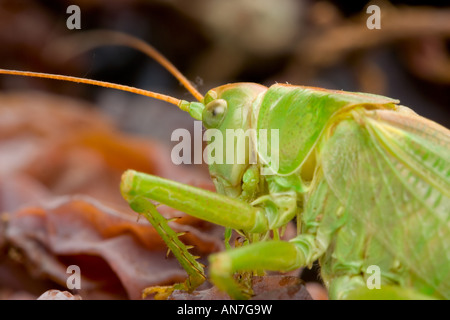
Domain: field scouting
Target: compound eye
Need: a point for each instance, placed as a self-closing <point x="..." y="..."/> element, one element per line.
<point x="214" y="113"/>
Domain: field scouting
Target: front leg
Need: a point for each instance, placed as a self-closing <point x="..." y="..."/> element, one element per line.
<point x="139" y="188"/>
<point x="203" y="204"/>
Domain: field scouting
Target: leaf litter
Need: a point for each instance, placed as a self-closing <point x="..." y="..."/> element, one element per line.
<point x="60" y="205"/>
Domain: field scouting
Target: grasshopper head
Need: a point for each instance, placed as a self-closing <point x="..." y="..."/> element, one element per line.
<point x="227" y="117"/>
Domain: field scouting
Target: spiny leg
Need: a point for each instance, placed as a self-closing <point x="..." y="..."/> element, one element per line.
<point x="203" y="204"/>
<point x="270" y="255"/>
<point x="194" y="269"/>
<point x="138" y="188"/>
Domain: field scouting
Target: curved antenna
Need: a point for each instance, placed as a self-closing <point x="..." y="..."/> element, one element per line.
<point x="88" y="40"/>
<point x="147" y="93"/>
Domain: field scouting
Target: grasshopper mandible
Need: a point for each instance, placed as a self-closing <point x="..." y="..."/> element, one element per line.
<point x="367" y="180"/>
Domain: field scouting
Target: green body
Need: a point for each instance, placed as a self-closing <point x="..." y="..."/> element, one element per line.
<point x="367" y="180"/>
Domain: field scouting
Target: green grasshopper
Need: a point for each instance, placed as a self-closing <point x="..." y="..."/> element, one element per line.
<point x="367" y="180"/>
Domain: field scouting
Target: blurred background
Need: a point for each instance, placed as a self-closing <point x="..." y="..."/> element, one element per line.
<point x="213" y="42"/>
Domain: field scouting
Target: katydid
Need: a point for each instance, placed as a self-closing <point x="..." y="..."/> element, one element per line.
<point x="367" y="180"/>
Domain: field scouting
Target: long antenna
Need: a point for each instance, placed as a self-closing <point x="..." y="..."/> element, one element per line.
<point x="147" y="93"/>
<point x="92" y="39"/>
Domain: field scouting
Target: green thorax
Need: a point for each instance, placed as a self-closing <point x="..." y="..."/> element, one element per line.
<point x="301" y="114"/>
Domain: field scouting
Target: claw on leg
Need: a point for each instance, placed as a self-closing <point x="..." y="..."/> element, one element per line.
<point x="222" y="277"/>
<point x="196" y="275"/>
<point x="160" y="292"/>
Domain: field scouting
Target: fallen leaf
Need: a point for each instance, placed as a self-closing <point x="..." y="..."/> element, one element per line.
<point x="58" y="295"/>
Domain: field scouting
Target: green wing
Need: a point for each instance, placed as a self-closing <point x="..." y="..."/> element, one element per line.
<point x="301" y="114"/>
<point x="391" y="172"/>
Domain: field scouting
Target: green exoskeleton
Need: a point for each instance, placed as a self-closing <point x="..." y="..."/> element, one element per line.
<point x="367" y="180"/>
